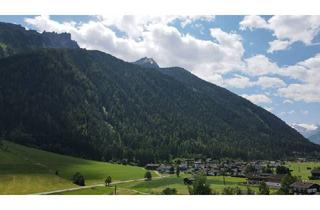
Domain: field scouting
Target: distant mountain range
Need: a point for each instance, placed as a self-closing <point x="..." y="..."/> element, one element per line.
<point x="59" y="97"/>
<point x="310" y="132"/>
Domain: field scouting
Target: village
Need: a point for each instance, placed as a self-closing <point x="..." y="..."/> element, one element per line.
<point x="255" y="172"/>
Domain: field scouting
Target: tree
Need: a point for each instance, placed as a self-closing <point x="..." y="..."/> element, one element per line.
<point x="286" y="181"/>
<point x="108" y="181"/>
<point x="200" y="186"/>
<point x="263" y="189"/>
<point x="78" y="179"/>
<point x="282" y="170"/>
<point x="148" y="176"/>
<point x="169" y="191"/>
<point x="267" y="169"/>
<point x="250" y="191"/>
<point x="171" y="170"/>
<point x="231" y="191"/>
<point x="178" y="171"/>
<point x="250" y="169"/>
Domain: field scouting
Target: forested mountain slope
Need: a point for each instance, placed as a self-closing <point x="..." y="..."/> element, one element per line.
<point x="91" y="104"/>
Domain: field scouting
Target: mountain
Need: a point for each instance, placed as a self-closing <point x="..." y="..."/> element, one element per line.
<point x="147" y="63"/>
<point x="315" y="137"/>
<point x="15" y="39"/>
<point x="91" y="104"/>
<point x="305" y="129"/>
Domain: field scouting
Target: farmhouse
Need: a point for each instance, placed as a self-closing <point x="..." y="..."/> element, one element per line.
<point x="305" y="188"/>
<point x="315" y="173"/>
<point x="271" y="180"/>
<point x="169" y="169"/>
<point x="274" y="180"/>
<point x="152" y="166"/>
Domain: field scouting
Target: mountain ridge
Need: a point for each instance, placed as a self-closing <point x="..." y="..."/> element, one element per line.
<point x="94" y="105"/>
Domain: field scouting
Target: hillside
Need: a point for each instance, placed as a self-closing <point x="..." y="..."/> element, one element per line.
<point x="25" y="170"/>
<point x="315" y="138"/>
<point x="91" y="104"/>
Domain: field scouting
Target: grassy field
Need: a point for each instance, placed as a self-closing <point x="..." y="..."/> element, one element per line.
<point x="25" y="170"/>
<point x="301" y="169"/>
<point x="158" y="185"/>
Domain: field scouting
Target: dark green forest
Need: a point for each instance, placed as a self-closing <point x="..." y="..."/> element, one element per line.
<point x="93" y="105"/>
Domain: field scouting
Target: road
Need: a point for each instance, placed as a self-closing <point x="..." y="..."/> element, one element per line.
<point x="89" y="186"/>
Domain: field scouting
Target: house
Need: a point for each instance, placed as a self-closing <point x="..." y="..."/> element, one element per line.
<point x="168" y="169"/>
<point x="315" y="173"/>
<point x="197" y="165"/>
<point x="274" y="180"/>
<point x="152" y="166"/>
<point x="183" y="167"/>
<point x="271" y="180"/>
<point x="305" y="188"/>
<point x="213" y="172"/>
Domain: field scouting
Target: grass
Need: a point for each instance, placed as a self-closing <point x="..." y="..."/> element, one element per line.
<point x="301" y="169"/>
<point x="26" y="170"/>
<point x="100" y="191"/>
<point x="157" y="186"/>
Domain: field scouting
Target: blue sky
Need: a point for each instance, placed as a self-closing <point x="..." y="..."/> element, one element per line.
<point x="274" y="61"/>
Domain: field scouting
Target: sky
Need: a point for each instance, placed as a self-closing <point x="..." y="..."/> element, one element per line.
<point x="273" y="61"/>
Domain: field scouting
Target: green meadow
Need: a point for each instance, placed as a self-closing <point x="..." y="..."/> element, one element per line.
<point x="24" y="170"/>
<point x="158" y="185"/>
<point x="303" y="169"/>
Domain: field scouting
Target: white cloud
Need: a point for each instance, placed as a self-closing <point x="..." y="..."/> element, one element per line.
<point x="238" y="82"/>
<point x="154" y="37"/>
<point x="270" y="82"/>
<point x="186" y="20"/>
<point x="258" y="98"/>
<point x="287" y="101"/>
<point x="286" y="29"/>
<point x="269" y="109"/>
<point x="277" y="45"/>
<point x="301" y="92"/>
<point x="260" y="65"/>
<point x="252" y="22"/>
<point x="307" y="72"/>
<point x="307" y="127"/>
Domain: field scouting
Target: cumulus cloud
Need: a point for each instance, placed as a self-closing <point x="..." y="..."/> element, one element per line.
<point x="286" y="29"/>
<point x="307" y="72"/>
<point x="270" y="82"/>
<point x="277" y="45"/>
<point x="260" y="65"/>
<point x="153" y="36"/>
<point x="238" y="82"/>
<point x="252" y="22"/>
<point x="258" y="98"/>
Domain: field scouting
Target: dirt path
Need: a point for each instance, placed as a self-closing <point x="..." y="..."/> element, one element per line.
<point x="89" y="186"/>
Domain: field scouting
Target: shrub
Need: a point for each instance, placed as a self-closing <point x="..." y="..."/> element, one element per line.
<point x="169" y="191"/>
<point x="78" y="179"/>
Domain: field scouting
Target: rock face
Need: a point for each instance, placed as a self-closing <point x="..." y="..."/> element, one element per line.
<point x="147" y="63"/>
<point x="16" y="39"/>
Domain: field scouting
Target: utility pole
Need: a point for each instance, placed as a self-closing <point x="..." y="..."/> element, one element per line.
<point x="115" y="189"/>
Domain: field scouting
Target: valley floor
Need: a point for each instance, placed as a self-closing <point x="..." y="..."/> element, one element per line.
<point x="25" y="170"/>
